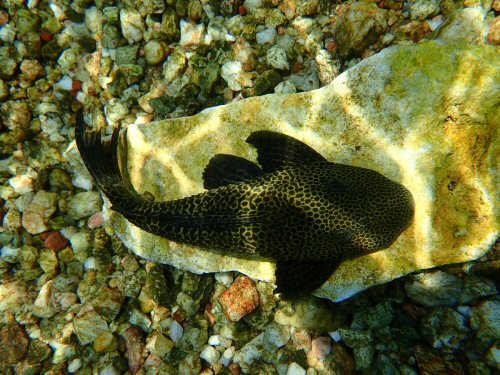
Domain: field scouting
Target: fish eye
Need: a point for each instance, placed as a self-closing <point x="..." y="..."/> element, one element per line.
<point x="336" y="186"/>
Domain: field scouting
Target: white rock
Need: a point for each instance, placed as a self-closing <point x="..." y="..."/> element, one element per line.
<point x="109" y="370"/>
<point x="12" y="221"/>
<point x="132" y="25"/>
<point x="22" y="184"/>
<point x="74" y="365"/>
<point x="84" y="204"/>
<point x="276" y="57"/>
<point x="65" y="83"/>
<point x="227" y="356"/>
<point x="10" y="254"/>
<point x="295" y="369"/>
<point x="285" y="87"/>
<point x="252" y="5"/>
<point x="335" y="335"/>
<point x="94" y="20"/>
<point x="232" y="72"/>
<point x="80" y="244"/>
<point x="191" y="34"/>
<point x="225" y="278"/>
<point x="90" y="263"/>
<point x="421" y="9"/>
<point x="43" y="307"/>
<point x="217" y="31"/>
<point x="13" y="296"/>
<point x="176" y="331"/>
<point x="210" y="354"/>
<point x="266" y="36"/>
<point x="38" y="211"/>
<point x="116" y="110"/>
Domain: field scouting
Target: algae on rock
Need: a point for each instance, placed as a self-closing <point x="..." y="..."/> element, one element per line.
<point x="424" y="115"/>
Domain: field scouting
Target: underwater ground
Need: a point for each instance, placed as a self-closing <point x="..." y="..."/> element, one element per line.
<point x="74" y="299"/>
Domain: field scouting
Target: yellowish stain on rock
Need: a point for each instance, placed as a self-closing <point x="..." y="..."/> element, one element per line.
<point x="425" y="116"/>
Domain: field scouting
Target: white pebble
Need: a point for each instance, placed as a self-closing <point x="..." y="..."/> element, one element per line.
<point x="109" y="370"/>
<point x="225" y="278"/>
<point x="74" y="365"/>
<point x="65" y="83"/>
<point x="276" y="57"/>
<point x="209" y="354"/>
<point x="295" y="369"/>
<point x="58" y="12"/>
<point x="335" y="335"/>
<point x="10" y="254"/>
<point x="176" y="331"/>
<point x="191" y="34"/>
<point x="21" y="184"/>
<point x="227" y="356"/>
<point x="267" y="36"/>
<point x="90" y="264"/>
<point x="230" y="72"/>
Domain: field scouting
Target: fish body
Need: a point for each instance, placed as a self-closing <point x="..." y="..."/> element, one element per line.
<point x="297" y="208"/>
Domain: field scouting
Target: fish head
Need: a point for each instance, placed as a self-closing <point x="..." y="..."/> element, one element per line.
<point x="373" y="208"/>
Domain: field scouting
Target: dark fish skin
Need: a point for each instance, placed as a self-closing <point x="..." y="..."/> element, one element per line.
<point x="299" y="209"/>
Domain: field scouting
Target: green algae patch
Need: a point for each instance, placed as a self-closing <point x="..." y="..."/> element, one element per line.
<point x="425" y="116"/>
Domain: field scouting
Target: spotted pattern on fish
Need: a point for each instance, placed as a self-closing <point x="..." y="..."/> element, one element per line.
<point x="299" y="209"/>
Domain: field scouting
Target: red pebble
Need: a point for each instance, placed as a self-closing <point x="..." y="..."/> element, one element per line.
<point x="242" y="10"/>
<point x="45" y="36"/>
<point x="240" y="299"/>
<point x="54" y="240"/>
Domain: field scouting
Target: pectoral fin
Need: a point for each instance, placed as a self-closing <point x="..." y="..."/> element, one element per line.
<point x="296" y="278"/>
<point x="225" y="169"/>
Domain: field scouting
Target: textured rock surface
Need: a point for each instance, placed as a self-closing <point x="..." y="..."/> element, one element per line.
<point x="425" y="116"/>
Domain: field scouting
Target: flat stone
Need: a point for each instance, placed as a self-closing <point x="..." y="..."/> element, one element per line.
<point x="240" y="299"/>
<point x="406" y="112"/>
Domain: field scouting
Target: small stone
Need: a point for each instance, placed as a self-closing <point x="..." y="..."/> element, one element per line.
<point x="320" y="347"/>
<point x="485" y="319"/>
<point x="4" y="90"/>
<point x="55" y="241"/>
<point x="132" y="25"/>
<point x="95" y="221"/>
<point x="32" y="70"/>
<point x="216" y="340"/>
<point x="38" y="211"/>
<point x="14" y="344"/>
<point x="422" y="9"/>
<point x="10" y="254"/>
<point x="286" y="87"/>
<point x="89" y="326"/>
<point x="493" y="355"/>
<point x="276" y="57"/>
<point x="267" y="36"/>
<point x="74" y="365"/>
<point x="105" y="342"/>
<point x="13" y="296"/>
<point x="116" y="110"/>
<point x="48" y="261"/>
<point x="363" y="356"/>
<point x="159" y="344"/>
<point x="277" y="335"/>
<point x="232" y="72"/>
<point x="22" y="184"/>
<point x="375" y="318"/>
<point x="445" y="329"/>
<point x="155" y="52"/>
<point x="227" y="356"/>
<point x="8" y="62"/>
<point x="38" y="351"/>
<point x="192" y="35"/>
<point x="176" y="331"/>
<point x="193" y="339"/>
<point x="134" y="342"/>
<point x="295" y="369"/>
<point x="12" y="221"/>
<point x="209" y="354"/>
<point x="240" y="299"/>
<point x="313" y="313"/>
<point x="434" y="289"/>
<point x="225" y="278"/>
<point x="84" y="204"/>
<point x="175" y="65"/>
<point x="468" y="25"/>
<point x="43" y="307"/>
<point x="475" y="288"/>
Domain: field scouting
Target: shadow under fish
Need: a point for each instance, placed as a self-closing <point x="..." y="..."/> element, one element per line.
<point x="297" y="208"/>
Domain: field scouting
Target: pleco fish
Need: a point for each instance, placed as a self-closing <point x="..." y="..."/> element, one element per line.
<point x="297" y="208"/>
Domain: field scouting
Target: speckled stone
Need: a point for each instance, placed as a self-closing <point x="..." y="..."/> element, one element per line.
<point x="407" y="124"/>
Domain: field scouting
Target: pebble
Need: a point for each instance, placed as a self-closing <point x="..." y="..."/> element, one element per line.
<point x="476" y="287"/>
<point x="277" y="335"/>
<point x="191" y="34"/>
<point x="84" y="204"/>
<point x="295" y="369"/>
<point x="55" y="241"/>
<point x="225" y="278"/>
<point x="14" y="344"/>
<point x="240" y="299"/>
<point x="434" y="289"/>
<point x="422" y="9"/>
<point x="311" y="313"/>
<point x="43" y="307"/>
<point x="13" y="296"/>
<point x="276" y="57"/>
<point x="10" y="254"/>
<point x="159" y="344"/>
<point x="320" y="347"/>
<point x="445" y="329"/>
<point x="155" y="52"/>
<point x="80" y="244"/>
<point x="485" y="320"/>
<point x="22" y="184"/>
<point x="132" y="25"/>
<point x="210" y="354"/>
<point x="267" y="36"/>
<point x="74" y="365"/>
<point x="176" y="331"/>
<point x="115" y="110"/>
<point x="134" y="342"/>
<point x="89" y="326"/>
<point x="232" y="72"/>
<point x="65" y="83"/>
<point x="227" y="356"/>
<point x="39" y="210"/>
<point x="95" y="221"/>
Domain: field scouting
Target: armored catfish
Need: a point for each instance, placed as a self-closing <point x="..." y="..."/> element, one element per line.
<point x="306" y="213"/>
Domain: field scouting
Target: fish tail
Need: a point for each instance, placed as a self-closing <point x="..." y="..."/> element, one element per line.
<point x="101" y="159"/>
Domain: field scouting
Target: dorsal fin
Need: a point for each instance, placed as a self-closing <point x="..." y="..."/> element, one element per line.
<point x="277" y="151"/>
<point x="225" y="169"/>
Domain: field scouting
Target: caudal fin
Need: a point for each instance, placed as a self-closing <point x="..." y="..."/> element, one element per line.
<point x="101" y="159"/>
